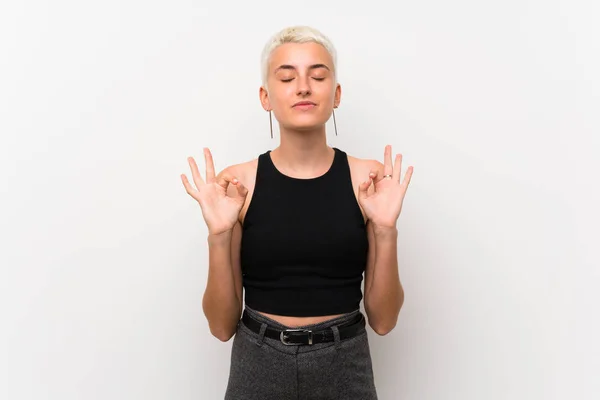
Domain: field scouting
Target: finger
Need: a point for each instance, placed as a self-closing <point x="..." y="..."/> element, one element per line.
<point x="210" y="165"/>
<point x="363" y="189"/>
<point x="387" y="160"/>
<point x="407" y="176"/>
<point x="242" y="190"/>
<point x="198" y="181"/>
<point x="188" y="187"/>
<point x="374" y="175"/>
<point x="225" y="179"/>
<point x="397" y="167"/>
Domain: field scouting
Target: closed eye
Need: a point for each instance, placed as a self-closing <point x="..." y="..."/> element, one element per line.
<point x="291" y="79"/>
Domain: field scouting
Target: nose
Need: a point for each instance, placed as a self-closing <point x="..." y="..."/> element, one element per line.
<point x="303" y="86"/>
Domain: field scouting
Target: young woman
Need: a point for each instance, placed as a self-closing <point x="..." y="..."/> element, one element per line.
<point x="296" y="228"/>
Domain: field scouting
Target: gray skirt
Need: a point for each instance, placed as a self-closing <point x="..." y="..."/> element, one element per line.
<point x="264" y="368"/>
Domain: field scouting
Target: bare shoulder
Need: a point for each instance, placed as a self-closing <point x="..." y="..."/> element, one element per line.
<point x="362" y="166"/>
<point x="243" y="171"/>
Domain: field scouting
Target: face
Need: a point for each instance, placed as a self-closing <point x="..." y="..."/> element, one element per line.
<point x="301" y="86"/>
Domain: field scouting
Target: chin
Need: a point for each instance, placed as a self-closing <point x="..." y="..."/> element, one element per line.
<point x="305" y="124"/>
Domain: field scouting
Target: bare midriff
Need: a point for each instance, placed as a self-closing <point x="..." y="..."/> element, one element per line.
<point x="299" y="321"/>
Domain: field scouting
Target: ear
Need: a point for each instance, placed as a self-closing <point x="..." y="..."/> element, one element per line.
<point x="264" y="99"/>
<point x="337" y="96"/>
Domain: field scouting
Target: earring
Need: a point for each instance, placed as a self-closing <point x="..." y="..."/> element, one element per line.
<point x="271" y="123"/>
<point x="334" y="124"/>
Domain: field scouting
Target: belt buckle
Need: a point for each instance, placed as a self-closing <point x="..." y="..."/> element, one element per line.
<point x="283" y="337"/>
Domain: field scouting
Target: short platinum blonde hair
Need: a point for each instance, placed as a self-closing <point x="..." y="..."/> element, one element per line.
<point x="296" y="34"/>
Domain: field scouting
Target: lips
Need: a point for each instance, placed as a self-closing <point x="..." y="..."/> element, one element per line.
<point x="304" y="104"/>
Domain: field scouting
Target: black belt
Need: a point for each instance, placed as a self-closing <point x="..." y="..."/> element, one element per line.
<point x="293" y="336"/>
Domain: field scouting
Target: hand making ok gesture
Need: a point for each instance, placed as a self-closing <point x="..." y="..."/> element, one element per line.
<point x="384" y="205"/>
<point x="219" y="210"/>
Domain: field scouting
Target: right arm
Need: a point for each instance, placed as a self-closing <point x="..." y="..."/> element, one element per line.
<point x="222" y="302"/>
<point x="221" y="199"/>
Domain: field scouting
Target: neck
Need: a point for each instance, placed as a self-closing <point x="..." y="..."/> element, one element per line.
<point x="303" y="153"/>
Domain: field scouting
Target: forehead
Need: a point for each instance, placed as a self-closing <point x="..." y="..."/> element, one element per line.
<point x="300" y="55"/>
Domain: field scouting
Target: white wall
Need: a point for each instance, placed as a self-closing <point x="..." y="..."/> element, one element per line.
<point x="104" y="255"/>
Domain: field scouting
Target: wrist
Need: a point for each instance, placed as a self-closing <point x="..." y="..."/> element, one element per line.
<point x="220" y="238"/>
<point x="381" y="231"/>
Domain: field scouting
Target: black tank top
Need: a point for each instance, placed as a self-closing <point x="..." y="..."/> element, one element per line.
<point x="304" y="242"/>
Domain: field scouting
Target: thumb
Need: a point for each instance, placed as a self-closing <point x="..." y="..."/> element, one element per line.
<point x="224" y="180"/>
<point x="242" y="190"/>
<point x="363" y="188"/>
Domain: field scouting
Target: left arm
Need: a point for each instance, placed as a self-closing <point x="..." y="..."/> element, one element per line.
<point x="384" y="294"/>
<point x="381" y="197"/>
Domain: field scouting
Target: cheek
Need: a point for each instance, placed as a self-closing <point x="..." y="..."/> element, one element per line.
<point x="282" y="95"/>
<point x="277" y="99"/>
<point x="327" y="91"/>
<point x="327" y="96"/>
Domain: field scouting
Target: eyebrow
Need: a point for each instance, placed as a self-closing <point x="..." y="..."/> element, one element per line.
<point x="314" y="66"/>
